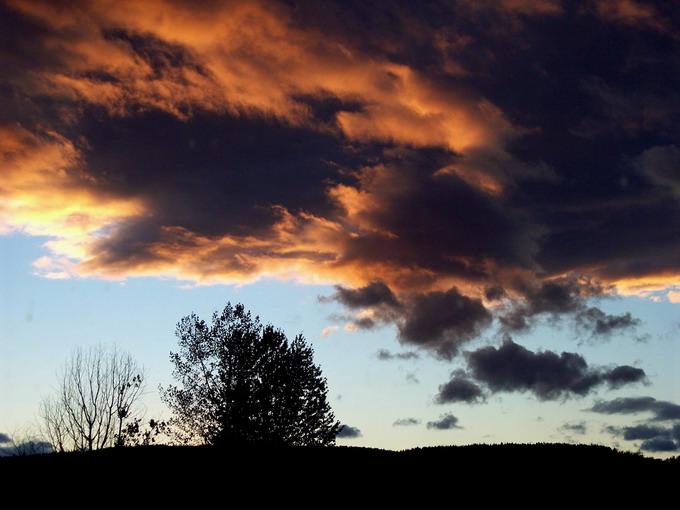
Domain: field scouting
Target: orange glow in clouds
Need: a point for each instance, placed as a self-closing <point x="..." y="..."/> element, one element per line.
<point x="239" y="58"/>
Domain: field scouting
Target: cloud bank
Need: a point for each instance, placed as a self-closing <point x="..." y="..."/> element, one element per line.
<point x="447" y="167"/>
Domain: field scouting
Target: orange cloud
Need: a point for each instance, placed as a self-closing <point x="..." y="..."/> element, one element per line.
<point x="630" y="12"/>
<point x="45" y="192"/>
<point x="251" y="59"/>
<point x="247" y="57"/>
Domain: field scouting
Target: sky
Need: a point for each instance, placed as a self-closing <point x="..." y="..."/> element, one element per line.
<point x="470" y="209"/>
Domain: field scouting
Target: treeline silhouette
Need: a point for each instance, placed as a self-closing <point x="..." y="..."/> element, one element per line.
<point x="271" y="474"/>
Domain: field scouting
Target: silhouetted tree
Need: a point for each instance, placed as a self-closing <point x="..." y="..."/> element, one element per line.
<point x="243" y="382"/>
<point x="95" y="398"/>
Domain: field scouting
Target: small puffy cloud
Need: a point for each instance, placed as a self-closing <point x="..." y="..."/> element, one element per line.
<point x="347" y="432"/>
<point x="4" y="438"/>
<point x="445" y="422"/>
<point x="374" y="294"/>
<point x="386" y="355"/>
<point x="576" y="428"/>
<point x="328" y="330"/>
<point x="404" y="422"/>
<point x="459" y="389"/>
<point x="603" y="325"/>
<point x="622" y="375"/>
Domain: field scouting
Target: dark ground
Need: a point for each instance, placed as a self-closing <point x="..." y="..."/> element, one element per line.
<point x="544" y="474"/>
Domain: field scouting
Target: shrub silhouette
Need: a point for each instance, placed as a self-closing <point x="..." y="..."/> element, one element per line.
<point x="241" y="382"/>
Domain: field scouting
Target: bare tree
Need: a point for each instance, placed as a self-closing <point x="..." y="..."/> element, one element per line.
<point x="95" y="398"/>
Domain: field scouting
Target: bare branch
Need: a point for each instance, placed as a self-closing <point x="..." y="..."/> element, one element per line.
<point x="97" y="393"/>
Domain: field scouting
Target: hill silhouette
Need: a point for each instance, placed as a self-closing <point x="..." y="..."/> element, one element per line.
<point x="159" y="474"/>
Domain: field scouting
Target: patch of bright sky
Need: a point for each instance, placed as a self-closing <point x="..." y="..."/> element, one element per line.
<point x="42" y="320"/>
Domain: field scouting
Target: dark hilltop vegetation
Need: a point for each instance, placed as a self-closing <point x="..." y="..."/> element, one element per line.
<point x="505" y="466"/>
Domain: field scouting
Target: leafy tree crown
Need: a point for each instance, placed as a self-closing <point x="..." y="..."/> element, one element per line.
<point x="240" y="381"/>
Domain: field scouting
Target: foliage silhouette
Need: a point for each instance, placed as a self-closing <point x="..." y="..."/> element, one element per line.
<point x="96" y="398"/>
<point x="242" y="382"/>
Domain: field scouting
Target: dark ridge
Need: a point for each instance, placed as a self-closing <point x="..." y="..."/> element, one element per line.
<point x="179" y="474"/>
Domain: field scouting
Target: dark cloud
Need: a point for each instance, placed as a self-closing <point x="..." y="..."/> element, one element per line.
<point x="347" y="432"/>
<point x="374" y="294"/>
<point x="459" y="389"/>
<point x="604" y="325"/>
<point x="406" y="422"/>
<point x="624" y="374"/>
<point x="435" y="152"/>
<point x="441" y="321"/>
<point x="4" y="438"/>
<point x="660" y="164"/>
<point x="445" y="422"/>
<point x="659" y="444"/>
<point x="654" y="438"/>
<point x="411" y="216"/>
<point x="576" y="428"/>
<point x="565" y="296"/>
<point x="494" y="293"/>
<point x="645" y="432"/>
<point x="385" y="355"/>
<point x="661" y="409"/>
<point x="396" y="150"/>
<point x="546" y="374"/>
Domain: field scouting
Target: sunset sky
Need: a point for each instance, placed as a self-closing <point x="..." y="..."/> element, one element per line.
<point x="470" y="208"/>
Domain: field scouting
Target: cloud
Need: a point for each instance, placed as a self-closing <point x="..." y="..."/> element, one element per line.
<point x="385" y="355"/>
<point x="577" y="428"/>
<point x="459" y="389"/>
<point x="445" y="422"/>
<point x="546" y="374"/>
<point x="565" y="296"/>
<point x="411" y="157"/>
<point x="326" y="332"/>
<point x="604" y="325"/>
<point x="661" y="409"/>
<point x="631" y="12"/>
<point x="441" y="321"/>
<point x="660" y="165"/>
<point x="654" y="438"/>
<point x="345" y="158"/>
<point x="402" y="422"/>
<point x="659" y="445"/>
<point x="4" y="438"/>
<point x="347" y="432"/>
<point x="622" y="375"/>
<point x="374" y="294"/>
<point x="645" y="432"/>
